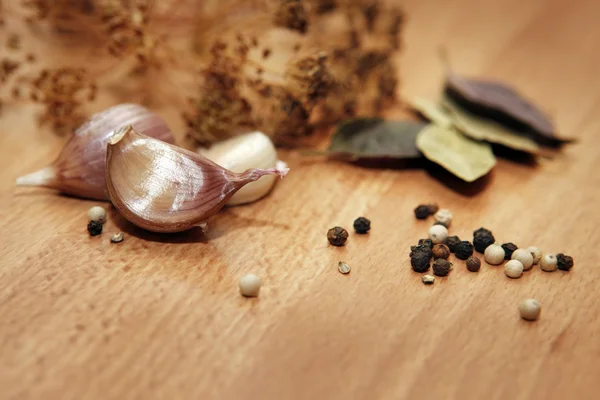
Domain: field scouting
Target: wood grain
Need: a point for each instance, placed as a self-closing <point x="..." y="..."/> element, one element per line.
<point x="160" y="316"/>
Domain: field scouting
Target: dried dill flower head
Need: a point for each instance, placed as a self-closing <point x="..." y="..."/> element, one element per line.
<point x="62" y="91"/>
<point x="291" y="14"/>
<point x="309" y="78"/>
<point x="220" y="109"/>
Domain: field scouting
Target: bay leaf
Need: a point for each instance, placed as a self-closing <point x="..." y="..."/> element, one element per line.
<point x="501" y="102"/>
<point x="449" y="114"/>
<point x="432" y="111"/>
<point x="466" y="158"/>
<point x="480" y="128"/>
<point x="375" y="138"/>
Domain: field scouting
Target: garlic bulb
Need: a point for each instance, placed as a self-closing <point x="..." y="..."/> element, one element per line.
<point x="80" y="168"/>
<point x="237" y="154"/>
<point x="164" y="188"/>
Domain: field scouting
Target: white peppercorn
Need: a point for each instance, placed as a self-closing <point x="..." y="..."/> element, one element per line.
<point x="513" y="269"/>
<point x="438" y="233"/>
<point x="530" y="309"/>
<point x="535" y="253"/>
<point x="524" y="256"/>
<point x="549" y="263"/>
<point x="444" y="216"/>
<point x="428" y="279"/>
<point x="494" y="254"/>
<point x="249" y="285"/>
<point x="97" y="214"/>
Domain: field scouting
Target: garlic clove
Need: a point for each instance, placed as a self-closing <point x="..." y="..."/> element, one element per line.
<point x="237" y="154"/>
<point x="164" y="188"/>
<point x="80" y="168"/>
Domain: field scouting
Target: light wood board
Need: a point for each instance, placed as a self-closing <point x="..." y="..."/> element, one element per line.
<point x="160" y="316"/>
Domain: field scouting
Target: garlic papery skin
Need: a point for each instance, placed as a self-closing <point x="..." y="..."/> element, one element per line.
<point x="237" y="154"/>
<point x="164" y="188"/>
<point x="80" y="168"/>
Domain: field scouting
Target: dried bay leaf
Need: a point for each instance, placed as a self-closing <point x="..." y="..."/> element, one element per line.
<point x="375" y="138"/>
<point x="464" y="157"/>
<point x="432" y="111"/>
<point x="449" y="114"/>
<point x="480" y="128"/>
<point x="503" y="103"/>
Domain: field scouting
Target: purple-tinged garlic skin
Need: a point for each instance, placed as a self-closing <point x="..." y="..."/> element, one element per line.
<point x="164" y="188"/>
<point x="80" y="169"/>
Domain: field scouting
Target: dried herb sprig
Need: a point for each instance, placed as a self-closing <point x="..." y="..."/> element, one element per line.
<point x="62" y="92"/>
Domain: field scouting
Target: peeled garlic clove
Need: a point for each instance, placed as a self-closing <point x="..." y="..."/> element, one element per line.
<point x="251" y="150"/>
<point x="80" y="168"/>
<point x="164" y="188"/>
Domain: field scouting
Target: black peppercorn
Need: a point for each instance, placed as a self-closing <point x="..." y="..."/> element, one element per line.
<point x="419" y="261"/>
<point x="509" y="248"/>
<point x="482" y="238"/>
<point x="441" y="251"/>
<point x="482" y="231"/>
<point x="441" y="267"/>
<point x="94" y="228"/>
<point x="425" y="210"/>
<point x="426" y="242"/>
<point x="421" y="248"/>
<point x="451" y="242"/>
<point x="463" y="250"/>
<point x="422" y="212"/>
<point x="362" y="225"/>
<point x="337" y="236"/>
<point x="565" y="262"/>
<point x="473" y="264"/>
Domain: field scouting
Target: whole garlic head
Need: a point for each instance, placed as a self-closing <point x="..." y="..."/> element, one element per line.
<point x="251" y="150"/>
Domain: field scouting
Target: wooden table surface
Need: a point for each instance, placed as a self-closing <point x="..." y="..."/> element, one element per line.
<point x="160" y="316"/>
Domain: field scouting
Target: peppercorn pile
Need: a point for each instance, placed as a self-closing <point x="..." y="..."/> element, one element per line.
<point x="439" y="246"/>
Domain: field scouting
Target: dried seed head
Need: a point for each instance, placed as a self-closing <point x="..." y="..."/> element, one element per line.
<point x="441" y="267"/>
<point x="473" y="264"/>
<point x="309" y="78"/>
<point x="291" y="14"/>
<point x="337" y="236"/>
